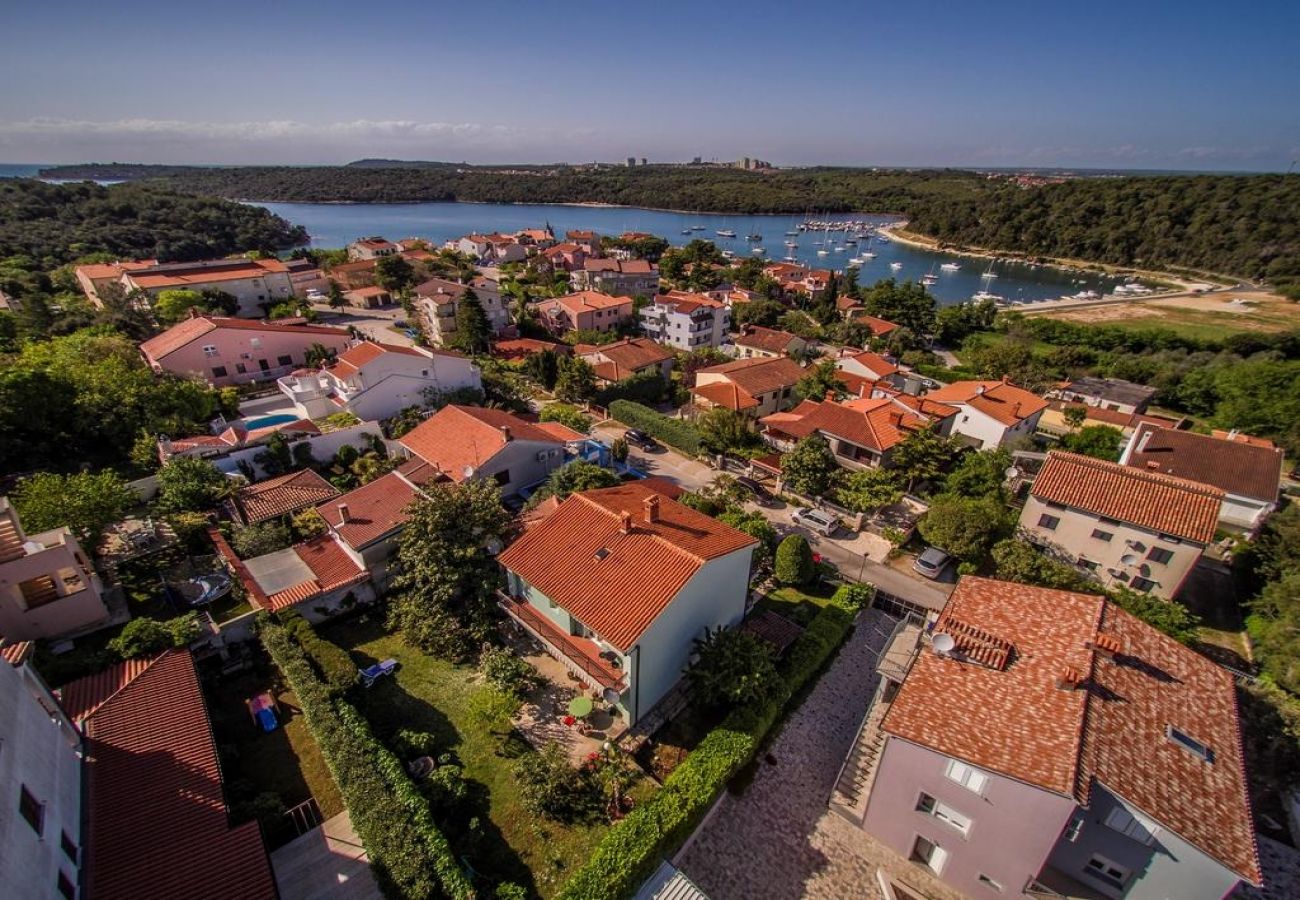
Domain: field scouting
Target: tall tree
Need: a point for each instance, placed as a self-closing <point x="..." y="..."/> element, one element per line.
<point x="810" y="467"/>
<point x="473" y="329"/>
<point x="822" y="379"/>
<point x="394" y="273"/>
<point x="576" y="381"/>
<point x="921" y="456"/>
<point x="87" y="503"/>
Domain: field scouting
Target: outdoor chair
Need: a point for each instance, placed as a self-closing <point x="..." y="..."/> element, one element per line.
<point x="371" y="674"/>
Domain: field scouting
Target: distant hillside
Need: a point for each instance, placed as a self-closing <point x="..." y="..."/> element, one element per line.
<point x="113" y="171"/>
<point x="397" y="164"/>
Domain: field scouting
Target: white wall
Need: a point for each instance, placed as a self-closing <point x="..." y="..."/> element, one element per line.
<point x="519" y="458"/>
<point x="973" y="423"/>
<point x="323" y="447"/>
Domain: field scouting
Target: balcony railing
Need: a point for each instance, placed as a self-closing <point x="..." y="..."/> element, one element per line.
<point x="568" y="649"/>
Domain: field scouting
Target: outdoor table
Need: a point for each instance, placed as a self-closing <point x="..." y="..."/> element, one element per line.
<point x="580" y="706"/>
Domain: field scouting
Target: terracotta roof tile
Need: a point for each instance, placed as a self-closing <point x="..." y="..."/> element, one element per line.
<point x="758" y="376"/>
<point x="726" y="394"/>
<point x="286" y="494"/>
<point x="1151" y="500"/>
<point x="331" y="567"/>
<point x="1245" y="469"/>
<point x="192" y="329"/>
<point x="636" y="575"/>
<point x="82" y="697"/>
<point x="625" y="358"/>
<point x="875" y="423"/>
<point x="561" y="432"/>
<point x="457" y="437"/>
<point x="1000" y="400"/>
<point x="194" y="274"/>
<point x="767" y="339"/>
<point x="374" y="510"/>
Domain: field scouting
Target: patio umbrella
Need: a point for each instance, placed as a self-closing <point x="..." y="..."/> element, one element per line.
<point x="580" y="706"/>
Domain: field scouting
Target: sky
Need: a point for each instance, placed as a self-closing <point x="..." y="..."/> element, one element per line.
<point x="1143" y="84"/>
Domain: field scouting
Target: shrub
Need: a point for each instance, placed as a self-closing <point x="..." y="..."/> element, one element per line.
<point x="855" y="596"/>
<point x="410" y="744"/>
<point x="333" y="664"/>
<point x="493" y="709"/>
<point x="447" y="791"/>
<point x="619" y="449"/>
<point x="511" y="674"/>
<point x="673" y="432"/>
<point x="550" y="786"/>
<point x="731" y="668"/>
<point x="794" y="562"/>
<point x="145" y="636"/>
<point x="566" y="414"/>
<point x="644" y="387"/>
<point x="258" y="540"/>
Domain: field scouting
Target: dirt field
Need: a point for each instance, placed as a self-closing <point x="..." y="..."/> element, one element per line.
<point x="1207" y="315"/>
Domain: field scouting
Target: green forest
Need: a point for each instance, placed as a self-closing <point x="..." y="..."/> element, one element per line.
<point x="1246" y="226"/>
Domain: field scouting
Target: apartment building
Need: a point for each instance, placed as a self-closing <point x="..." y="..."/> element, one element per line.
<point x="686" y="321"/>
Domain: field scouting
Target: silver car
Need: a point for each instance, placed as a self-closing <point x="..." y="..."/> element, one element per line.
<point x="818" y="520"/>
<point x="932" y="562"/>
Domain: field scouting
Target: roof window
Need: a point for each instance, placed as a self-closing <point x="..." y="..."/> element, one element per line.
<point x="1189" y="743"/>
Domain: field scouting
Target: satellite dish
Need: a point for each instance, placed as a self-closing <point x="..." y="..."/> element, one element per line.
<point x="493" y="545"/>
<point x="467" y="472"/>
<point x="1011" y="472"/>
<point x="610" y="696"/>
<point x="1128" y="559"/>
<point x="943" y="643"/>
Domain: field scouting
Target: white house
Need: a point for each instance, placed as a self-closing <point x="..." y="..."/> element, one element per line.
<point x="686" y="321"/>
<point x="438" y="299"/>
<point x="376" y="381"/>
<point x="991" y="413"/>
<point x="618" y="583"/>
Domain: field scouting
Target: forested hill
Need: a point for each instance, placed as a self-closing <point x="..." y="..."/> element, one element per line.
<point x="56" y="223"/>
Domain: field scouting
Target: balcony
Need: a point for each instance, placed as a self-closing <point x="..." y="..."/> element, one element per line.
<point x="580" y="655"/>
<point x="302" y="388"/>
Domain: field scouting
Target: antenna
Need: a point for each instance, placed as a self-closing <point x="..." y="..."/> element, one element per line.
<point x="943" y="643"/>
<point x="1011" y="472"/>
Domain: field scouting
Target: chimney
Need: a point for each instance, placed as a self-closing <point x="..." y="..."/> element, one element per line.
<point x="194" y="312"/>
<point x="652" y="509"/>
<point x="1006" y="379"/>
<point x="625" y="518"/>
<point x="830" y="396"/>
<point x="1106" y="645"/>
<point x="343" y="513"/>
<point x="1069" y="679"/>
<point x="1144" y="440"/>
<point x="864" y="391"/>
<point x="896" y="418"/>
<point x="505" y="433"/>
<point x="979" y="390"/>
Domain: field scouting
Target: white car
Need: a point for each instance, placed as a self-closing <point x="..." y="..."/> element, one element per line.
<point x="818" y="520"/>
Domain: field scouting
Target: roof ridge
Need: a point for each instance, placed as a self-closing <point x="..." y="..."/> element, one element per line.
<point x="1151" y="475"/>
<point x="127" y="666"/>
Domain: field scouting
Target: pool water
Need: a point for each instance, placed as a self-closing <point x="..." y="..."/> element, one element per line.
<point x="267" y="421"/>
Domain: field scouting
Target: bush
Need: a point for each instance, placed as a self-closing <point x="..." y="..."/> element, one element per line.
<point x="258" y="540"/>
<point x="731" y="668"/>
<point x="673" y="432"/>
<point x="566" y="414"/>
<point x="508" y="672"/>
<point x="550" y="786"/>
<point x="145" y="636"/>
<point x="410" y="744"/>
<point x="493" y="709"/>
<point x="794" y="562"/>
<point x="644" y="387"/>
<point x="854" y="595"/>
<point x="618" y="450"/>
<point x="333" y="664"/>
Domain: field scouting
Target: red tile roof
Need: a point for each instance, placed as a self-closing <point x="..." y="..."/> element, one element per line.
<point x="519" y="348"/>
<point x="1001" y="400"/>
<point x="354" y="359"/>
<point x="767" y="339"/>
<point x="1236" y="467"/>
<point x="875" y="423"/>
<point x="585" y="301"/>
<point x="179" y="275"/>
<point x="374" y="510"/>
<point x="638" y="574"/>
<point x="996" y="705"/>
<point x="561" y="432"/>
<point x="285" y="494"/>
<point x="625" y="358"/>
<point x="1150" y="500"/>
<point x="331" y="568"/>
<point x="874" y="363"/>
<point x="85" y="695"/>
<point x="879" y="327"/>
<point x="156" y="818"/>
<point x="459" y="437"/>
<point x="758" y="376"/>
<point x="726" y="394"/>
<point x="192" y="329"/>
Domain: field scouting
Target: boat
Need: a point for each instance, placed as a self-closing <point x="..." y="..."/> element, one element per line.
<point x="855" y="260"/>
<point x="867" y="254"/>
<point x="725" y="233"/>
<point x="792" y="243"/>
<point x="790" y="259"/>
<point x="728" y="254"/>
<point x="758" y="251"/>
<point x="851" y="242"/>
<point x="980" y="296"/>
<point x="792" y="234"/>
<point x="839" y="249"/>
<point x="823" y="252"/>
<point x="699" y="227"/>
<point x="990" y="273"/>
<point x="929" y="280"/>
<point x="686" y="231"/>
<point x="753" y="236"/>
<point x="895" y="266"/>
<point x="950" y="267"/>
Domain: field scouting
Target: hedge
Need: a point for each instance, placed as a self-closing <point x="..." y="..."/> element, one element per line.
<point x="673" y="432"/>
<point x="332" y="662"/>
<point x="411" y="858"/>
<point x="633" y="848"/>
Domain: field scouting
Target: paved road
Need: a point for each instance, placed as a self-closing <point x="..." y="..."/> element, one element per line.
<point x="374" y="323"/>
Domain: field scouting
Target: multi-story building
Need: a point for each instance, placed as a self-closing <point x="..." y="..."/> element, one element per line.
<point x="1049" y="744"/>
<point x="585" y="310"/>
<point x="757" y="342"/>
<point x="256" y="284"/>
<point x="632" y="277"/>
<point x="686" y="321"/>
<point x="47" y="585"/>
<point x="438" y="299"/>
<point x="1129" y="527"/>
<point x="992" y="413"/>
<point x="491" y="248"/>
<point x="756" y="387"/>
<point x="618" y="584"/>
<point x="1114" y="394"/>
<point x="372" y="248"/>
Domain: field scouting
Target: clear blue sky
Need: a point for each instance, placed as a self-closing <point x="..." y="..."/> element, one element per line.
<point x="1139" y="84"/>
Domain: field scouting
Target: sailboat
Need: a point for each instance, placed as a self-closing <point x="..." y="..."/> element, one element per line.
<point x="950" y="267"/>
<point x="990" y="273"/>
<point x="895" y="266"/>
<point x="929" y="278"/>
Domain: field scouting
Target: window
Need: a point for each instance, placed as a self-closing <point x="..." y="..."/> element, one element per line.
<point x="241" y="368"/>
<point x="1048" y="522"/>
<point x="1160" y="555"/>
<point x="263" y="365"/>
<point x="1104" y="869"/>
<point x="990" y="883"/>
<point x="943" y="812"/>
<point x="68" y="846"/>
<point x="31" y="809"/>
<point x="1102" y="535"/>
<point x="1090" y="564"/>
<point x="209" y="350"/>
<point x="284" y="360"/>
<point x="502" y="478"/>
<point x="1142" y="585"/>
<point x="1189" y="743"/>
<point x="218" y="371"/>
<point x="969" y="777"/>
<point x="67" y="889"/>
<point x="929" y="854"/>
<point x="1129" y="825"/>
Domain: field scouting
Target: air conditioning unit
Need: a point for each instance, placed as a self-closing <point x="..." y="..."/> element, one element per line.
<point x="542" y="455"/>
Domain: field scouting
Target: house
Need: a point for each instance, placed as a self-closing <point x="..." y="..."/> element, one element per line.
<point x="992" y="413"/>
<point x="584" y="311"/>
<point x="1129" y="527"/>
<point x="1247" y="472"/>
<point x="1114" y="394"/>
<point x="1046" y="743"/>
<point x="472" y="442"/>
<point x="491" y="248"/>
<point x="754" y="341"/>
<point x="48" y="587"/>
<point x="438" y="299"/>
<point x="799" y="281"/>
<point x="96" y="277"/>
<point x="862" y="432"/>
<point x="589" y="241"/>
<point x="631" y="277"/>
<point x="371" y="248"/>
<point x="377" y="381"/>
<point x="757" y="387"/>
<point x="618" y="583"/>
<point x="224" y="351"/>
<point x="880" y="328"/>
<point x="566" y="257"/>
<point x="156" y="818"/>
<point x="40" y="773"/>
<point x="349" y="275"/>
<point x="847" y="304"/>
<point x="370" y="297"/>
<point x="536" y="238"/>
<point x="284" y="495"/>
<point x="256" y="284"/>
<point x="516" y="349"/>
<point x="622" y="359"/>
<point x="304" y="276"/>
<point x="1053" y="420"/>
<point x="686" y="321"/>
<point x="862" y="369"/>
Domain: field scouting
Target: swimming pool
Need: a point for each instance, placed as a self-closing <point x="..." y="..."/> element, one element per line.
<point x="267" y="421"/>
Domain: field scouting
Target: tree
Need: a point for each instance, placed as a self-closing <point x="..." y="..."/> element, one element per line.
<point x="765" y="313"/>
<point x="731" y="668"/>
<point x="574" y="478"/>
<point x="172" y="306"/>
<point x="566" y="414"/>
<point x="445" y="562"/>
<point x="955" y="323"/>
<point x="618" y="450"/>
<point x="794" y="562"/>
<point x="979" y="474"/>
<point x="550" y="786"/>
<point x="1100" y="441"/>
<point x="758" y="527"/>
<point x="810" y="468"/>
<point x="473" y="329"/>
<point x="1017" y="560"/>
<point x="905" y="303"/>
<point x="576" y="380"/>
<point x="1274" y="625"/>
<point x="87" y="503"/>
<point x="543" y="368"/>
<point x="258" y="540"/>
<point x="966" y="527"/>
<point x="194" y="485"/>
<point x="394" y="273"/>
<point x="867" y="490"/>
<point x="1168" y="616"/>
<point x="822" y="380"/>
<point x="1075" y="416"/>
<point x="336" y="298"/>
<point x="145" y="636"/>
<point x="921" y="456"/>
<point x="725" y="430"/>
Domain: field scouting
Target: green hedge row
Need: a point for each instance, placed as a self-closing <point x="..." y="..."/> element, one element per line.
<point x="409" y="855"/>
<point x="332" y="662"/>
<point x="673" y="432"/>
<point x="633" y="848"/>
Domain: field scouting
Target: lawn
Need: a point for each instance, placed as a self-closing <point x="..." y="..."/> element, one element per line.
<point x="433" y="695"/>
<point x="798" y="605"/>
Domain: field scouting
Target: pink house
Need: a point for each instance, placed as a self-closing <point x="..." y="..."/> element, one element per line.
<point x="224" y="351"/>
<point x="584" y="310"/>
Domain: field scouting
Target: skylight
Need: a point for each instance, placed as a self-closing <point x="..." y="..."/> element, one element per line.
<point x="602" y="553"/>
<point x="1190" y="744"/>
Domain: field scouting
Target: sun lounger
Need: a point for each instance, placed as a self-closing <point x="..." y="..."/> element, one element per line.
<point x="371" y="674"/>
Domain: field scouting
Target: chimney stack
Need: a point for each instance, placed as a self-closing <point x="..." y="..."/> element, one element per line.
<point x="979" y="390"/>
<point x="1106" y="645"/>
<point x="505" y="433"/>
<point x="864" y="391"/>
<point x="194" y="312"/>
<point x="343" y="513"/>
<point x="1069" y="679"/>
<point x="626" y="520"/>
<point x="652" y="509"/>
<point x="830" y="396"/>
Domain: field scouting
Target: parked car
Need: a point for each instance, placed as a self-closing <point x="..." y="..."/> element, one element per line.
<point x="756" y="491"/>
<point x="932" y="562"/>
<point x="640" y="439"/>
<point x="818" y="520"/>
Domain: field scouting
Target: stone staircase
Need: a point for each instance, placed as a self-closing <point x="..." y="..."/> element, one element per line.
<point x="853" y="786"/>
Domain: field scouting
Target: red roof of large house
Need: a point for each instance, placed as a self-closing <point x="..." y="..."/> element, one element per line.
<point x="585" y="301"/>
<point x="1152" y="500"/>
<point x="156" y="817"/>
<point x="456" y="438"/>
<point x="1000" y="400"/>
<point x="285" y="494"/>
<point x="767" y="339"/>
<point x="623" y="359"/>
<point x="1237" y="467"/>
<point x="168" y="275"/>
<point x="351" y="360"/>
<point x="614" y="579"/>
<point x="331" y="569"/>
<point x="875" y="423"/>
<point x="879" y="327"/>
<point x="193" y="328"/>
<point x="757" y="376"/>
<point x="997" y="702"/>
<point x="874" y="363"/>
<point x="374" y="510"/>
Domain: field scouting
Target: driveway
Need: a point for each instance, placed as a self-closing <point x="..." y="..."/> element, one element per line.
<point x="375" y="324"/>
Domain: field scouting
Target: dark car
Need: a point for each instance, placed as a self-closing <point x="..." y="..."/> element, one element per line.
<point x="640" y="439"/>
<point x="756" y="491"/>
